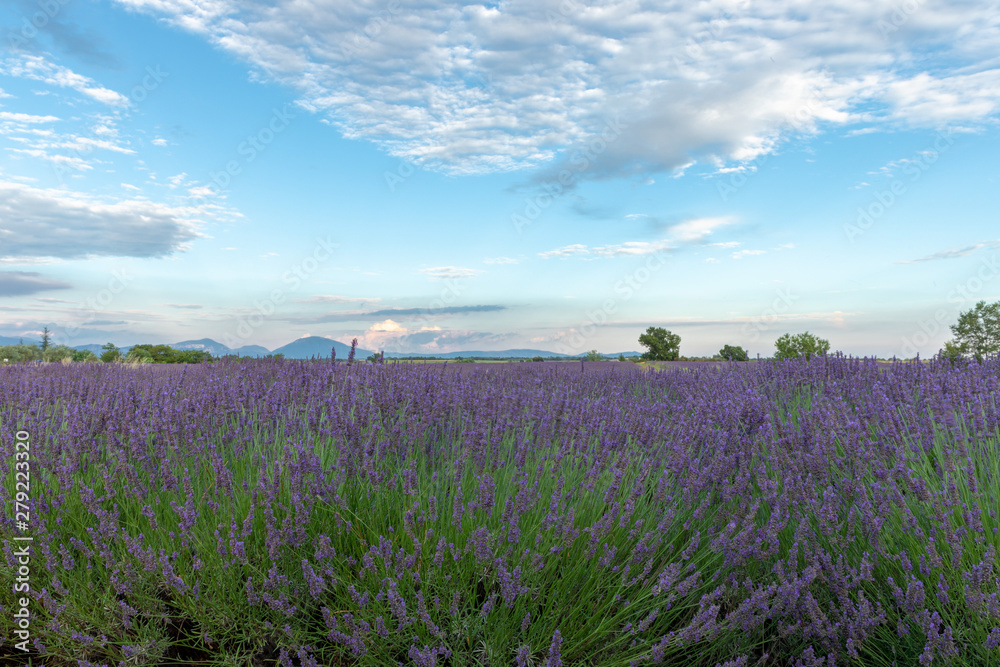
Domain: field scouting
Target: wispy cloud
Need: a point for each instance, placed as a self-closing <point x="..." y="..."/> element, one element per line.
<point x="740" y="254"/>
<point x="37" y="68"/>
<point x="392" y="313"/>
<point x="450" y="272"/>
<point x="331" y="298"/>
<point x="953" y="253"/>
<point x="23" y="283"/>
<point x="25" y="118"/>
<point x="565" y="251"/>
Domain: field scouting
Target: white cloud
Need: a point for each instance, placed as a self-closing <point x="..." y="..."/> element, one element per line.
<point x="740" y="254"/>
<point x="633" y="248"/>
<point x="450" y="272"/>
<point x="699" y="228"/>
<point x="159" y="142"/>
<point x="38" y="68"/>
<point x="500" y="260"/>
<point x="565" y="251"/>
<point x="7" y="116"/>
<point x="689" y="231"/>
<point x="70" y="225"/>
<point x="469" y="88"/>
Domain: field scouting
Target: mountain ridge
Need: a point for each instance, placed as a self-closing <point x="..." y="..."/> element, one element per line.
<point x="320" y="347"/>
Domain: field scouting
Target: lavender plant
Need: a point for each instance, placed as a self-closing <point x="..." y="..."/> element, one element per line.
<point x="814" y="512"/>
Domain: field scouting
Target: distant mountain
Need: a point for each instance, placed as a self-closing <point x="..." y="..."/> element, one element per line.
<point x="316" y="346"/>
<point x="7" y="340"/>
<point x="252" y="351"/>
<point x="214" y="348"/>
<point x="217" y="349"/>
<point x="484" y="354"/>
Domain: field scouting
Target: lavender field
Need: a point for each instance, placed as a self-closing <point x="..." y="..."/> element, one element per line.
<point x="807" y="513"/>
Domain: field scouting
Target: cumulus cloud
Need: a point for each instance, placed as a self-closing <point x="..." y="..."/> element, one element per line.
<point x="22" y="283"/>
<point x="469" y="88"/>
<point x="392" y="336"/>
<point x="68" y="225"/>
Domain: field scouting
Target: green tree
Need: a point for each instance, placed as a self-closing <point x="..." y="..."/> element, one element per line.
<point x="537" y="359"/>
<point x="621" y="357"/>
<point x="804" y="344"/>
<point x="84" y="356"/>
<point x="57" y="353"/>
<point x="660" y="344"/>
<point x="977" y="331"/>
<point x="734" y="353"/>
<point x="46" y="339"/>
<point x="110" y="353"/>
<point x="594" y="355"/>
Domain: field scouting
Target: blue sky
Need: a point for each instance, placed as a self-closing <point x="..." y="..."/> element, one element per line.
<point x="431" y="177"/>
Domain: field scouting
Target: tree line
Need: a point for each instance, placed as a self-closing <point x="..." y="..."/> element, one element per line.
<point x="44" y="350"/>
<point x="977" y="335"/>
